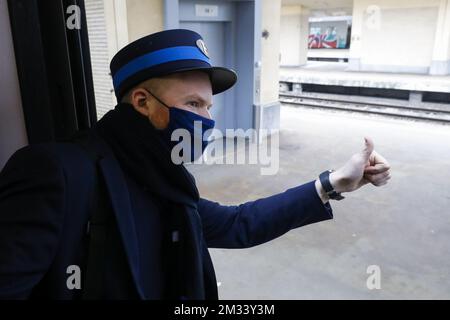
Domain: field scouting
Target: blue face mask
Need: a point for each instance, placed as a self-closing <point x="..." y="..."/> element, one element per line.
<point x="194" y="136"/>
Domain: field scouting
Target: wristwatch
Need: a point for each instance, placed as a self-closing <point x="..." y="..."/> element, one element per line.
<point x="324" y="178"/>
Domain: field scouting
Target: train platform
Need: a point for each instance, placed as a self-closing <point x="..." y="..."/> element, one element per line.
<point x="401" y="227"/>
<point x="338" y="74"/>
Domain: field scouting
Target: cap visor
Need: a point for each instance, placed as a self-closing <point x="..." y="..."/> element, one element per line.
<point x="221" y="78"/>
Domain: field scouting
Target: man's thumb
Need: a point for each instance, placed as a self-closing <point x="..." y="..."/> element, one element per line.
<point x="368" y="148"/>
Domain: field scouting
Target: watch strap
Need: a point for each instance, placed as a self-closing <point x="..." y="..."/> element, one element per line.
<point x="324" y="178"/>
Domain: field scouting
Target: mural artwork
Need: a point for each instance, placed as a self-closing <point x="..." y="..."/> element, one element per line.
<point x="328" y="40"/>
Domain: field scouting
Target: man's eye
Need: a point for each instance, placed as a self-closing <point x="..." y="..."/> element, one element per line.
<point x="194" y="104"/>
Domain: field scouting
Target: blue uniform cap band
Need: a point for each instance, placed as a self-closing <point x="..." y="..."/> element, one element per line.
<point x="155" y="58"/>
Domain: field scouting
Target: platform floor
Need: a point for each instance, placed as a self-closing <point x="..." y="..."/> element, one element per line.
<point x="403" y="227"/>
<point x="336" y="73"/>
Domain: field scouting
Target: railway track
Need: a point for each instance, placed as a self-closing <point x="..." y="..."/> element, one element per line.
<point x="425" y="111"/>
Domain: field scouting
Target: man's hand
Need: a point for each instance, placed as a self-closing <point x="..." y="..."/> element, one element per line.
<point x="363" y="167"/>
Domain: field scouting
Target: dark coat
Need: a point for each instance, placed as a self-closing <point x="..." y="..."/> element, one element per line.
<point x="45" y="195"/>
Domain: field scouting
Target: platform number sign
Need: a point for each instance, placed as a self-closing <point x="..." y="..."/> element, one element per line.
<point x="204" y="10"/>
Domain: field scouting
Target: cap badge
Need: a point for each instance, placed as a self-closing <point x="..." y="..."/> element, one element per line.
<point x="202" y="46"/>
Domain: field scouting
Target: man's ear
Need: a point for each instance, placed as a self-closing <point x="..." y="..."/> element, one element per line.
<point x="139" y="100"/>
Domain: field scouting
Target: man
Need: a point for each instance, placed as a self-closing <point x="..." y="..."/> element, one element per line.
<point x="110" y="215"/>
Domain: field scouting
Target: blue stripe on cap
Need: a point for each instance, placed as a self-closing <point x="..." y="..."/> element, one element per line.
<point x="157" y="57"/>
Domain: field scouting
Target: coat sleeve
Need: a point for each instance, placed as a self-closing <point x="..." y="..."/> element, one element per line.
<point x="31" y="219"/>
<point x="259" y="221"/>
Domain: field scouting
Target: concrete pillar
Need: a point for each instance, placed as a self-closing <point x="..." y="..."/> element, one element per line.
<point x="270" y="48"/>
<point x="440" y="63"/>
<point x="304" y="35"/>
<point x="267" y="107"/>
<point x="294" y="32"/>
<point x="297" y="88"/>
<point x="354" y="58"/>
<point x="116" y="25"/>
<point x="415" y="98"/>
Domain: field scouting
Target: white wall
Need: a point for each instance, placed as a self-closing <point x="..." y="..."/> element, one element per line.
<point x="12" y="126"/>
<point x="440" y="64"/>
<point x="393" y="36"/>
<point x="144" y="17"/>
<point x="289" y="37"/>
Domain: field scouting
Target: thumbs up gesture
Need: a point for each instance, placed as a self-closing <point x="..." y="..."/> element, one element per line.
<point x="366" y="166"/>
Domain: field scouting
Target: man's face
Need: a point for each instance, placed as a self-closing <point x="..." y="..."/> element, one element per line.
<point x="189" y="90"/>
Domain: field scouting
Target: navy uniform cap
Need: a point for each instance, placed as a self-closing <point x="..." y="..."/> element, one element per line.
<point x="164" y="53"/>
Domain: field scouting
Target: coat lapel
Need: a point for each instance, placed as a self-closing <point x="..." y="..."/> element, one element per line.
<point x="120" y="201"/>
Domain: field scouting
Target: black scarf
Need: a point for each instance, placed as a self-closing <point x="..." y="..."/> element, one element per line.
<point x="145" y="157"/>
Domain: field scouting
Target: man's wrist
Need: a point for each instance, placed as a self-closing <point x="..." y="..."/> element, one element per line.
<point x="335" y="181"/>
<point x="321" y="191"/>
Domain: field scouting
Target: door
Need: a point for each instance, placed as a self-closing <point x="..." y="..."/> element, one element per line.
<point x="213" y="33"/>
